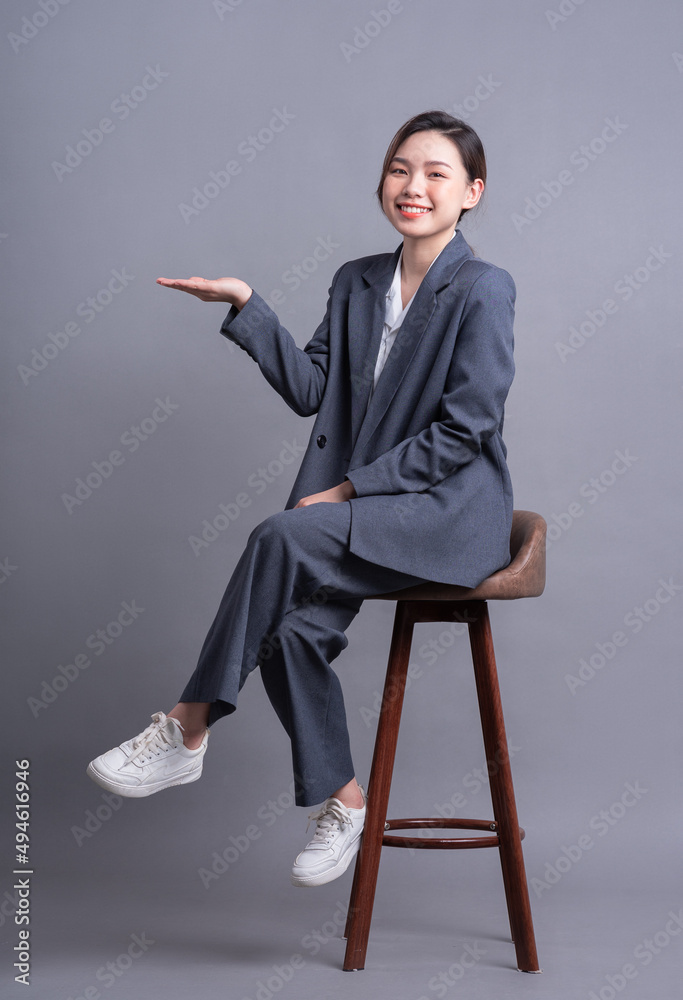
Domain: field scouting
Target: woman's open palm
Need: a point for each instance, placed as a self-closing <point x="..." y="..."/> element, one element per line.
<point x="232" y="290"/>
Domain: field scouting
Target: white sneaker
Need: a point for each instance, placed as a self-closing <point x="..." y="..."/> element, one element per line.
<point x="334" y="845"/>
<point x="155" y="759"/>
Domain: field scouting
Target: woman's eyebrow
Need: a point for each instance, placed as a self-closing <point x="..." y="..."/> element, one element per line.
<point x="428" y="163"/>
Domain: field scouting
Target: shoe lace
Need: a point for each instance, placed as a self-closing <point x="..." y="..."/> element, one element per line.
<point x="330" y="818"/>
<point x="154" y="739"/>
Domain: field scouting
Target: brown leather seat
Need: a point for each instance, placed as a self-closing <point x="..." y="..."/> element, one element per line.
<point x="523" y="577"/>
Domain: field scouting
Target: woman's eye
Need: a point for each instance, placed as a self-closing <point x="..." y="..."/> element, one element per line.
<point x="401" y="170"/>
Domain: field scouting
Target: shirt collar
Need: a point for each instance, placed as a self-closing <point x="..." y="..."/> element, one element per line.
<point x="395" y="310"/>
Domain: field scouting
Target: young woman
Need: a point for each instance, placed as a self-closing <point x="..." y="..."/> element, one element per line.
<point x="404" y="480"/>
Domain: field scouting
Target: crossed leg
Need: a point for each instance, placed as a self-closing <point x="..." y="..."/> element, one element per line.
<point x="293" y="593"/>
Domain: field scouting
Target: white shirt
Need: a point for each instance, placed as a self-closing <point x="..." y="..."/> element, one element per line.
<point x="393" y="317"/>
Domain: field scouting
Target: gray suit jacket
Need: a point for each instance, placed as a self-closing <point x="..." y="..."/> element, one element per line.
<point x="427" y="460"/>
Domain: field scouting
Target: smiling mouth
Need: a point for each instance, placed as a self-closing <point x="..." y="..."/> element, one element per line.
<point x="413" y="210"/>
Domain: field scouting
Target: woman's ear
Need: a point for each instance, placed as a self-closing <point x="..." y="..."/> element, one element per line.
<point x="474" y="193"/>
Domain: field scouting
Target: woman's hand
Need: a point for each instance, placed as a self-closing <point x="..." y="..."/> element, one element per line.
<point x="232" y="290"/>
<point x="345" y="491"/>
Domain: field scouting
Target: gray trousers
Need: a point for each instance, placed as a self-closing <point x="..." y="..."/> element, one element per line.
<point x="294" y="591"/>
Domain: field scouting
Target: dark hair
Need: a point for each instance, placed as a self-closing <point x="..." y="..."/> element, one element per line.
<point x="461" y="134"/>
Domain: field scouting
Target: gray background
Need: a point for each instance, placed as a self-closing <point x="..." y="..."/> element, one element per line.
<point x="553" y="79"/>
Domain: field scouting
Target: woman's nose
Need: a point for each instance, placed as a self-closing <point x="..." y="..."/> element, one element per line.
<point x="413" y="189"/>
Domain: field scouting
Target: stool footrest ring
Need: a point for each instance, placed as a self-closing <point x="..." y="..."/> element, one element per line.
<point x="442" y="842"/>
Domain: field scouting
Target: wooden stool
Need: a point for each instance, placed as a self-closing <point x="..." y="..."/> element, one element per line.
<point x="435" y="602"/>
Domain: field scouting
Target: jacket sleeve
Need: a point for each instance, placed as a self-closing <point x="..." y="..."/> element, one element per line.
<point x="471" y="408"/>
<point x="298" y="375"/>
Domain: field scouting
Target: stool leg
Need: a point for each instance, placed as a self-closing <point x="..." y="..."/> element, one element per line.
<point x="379" y="785"/>
<point x="502" y="792"/>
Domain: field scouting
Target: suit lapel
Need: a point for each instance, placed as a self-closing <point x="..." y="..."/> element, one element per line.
<point x="365" y="324"/>
<point x="367" y="309"/>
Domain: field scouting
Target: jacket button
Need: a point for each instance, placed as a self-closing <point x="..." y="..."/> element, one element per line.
<point x="321" y="440"/>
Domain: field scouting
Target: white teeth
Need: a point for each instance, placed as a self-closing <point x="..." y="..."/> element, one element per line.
<point x="414" y="211"/>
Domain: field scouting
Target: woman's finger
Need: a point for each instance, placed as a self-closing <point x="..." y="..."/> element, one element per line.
<point x="185" y="284"/>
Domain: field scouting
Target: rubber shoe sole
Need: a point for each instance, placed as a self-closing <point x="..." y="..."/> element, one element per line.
<point x="332" y="873"/>
<point x="141" y="791"/>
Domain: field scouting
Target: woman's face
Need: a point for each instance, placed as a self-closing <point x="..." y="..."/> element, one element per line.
<point x="426" y="187"/>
